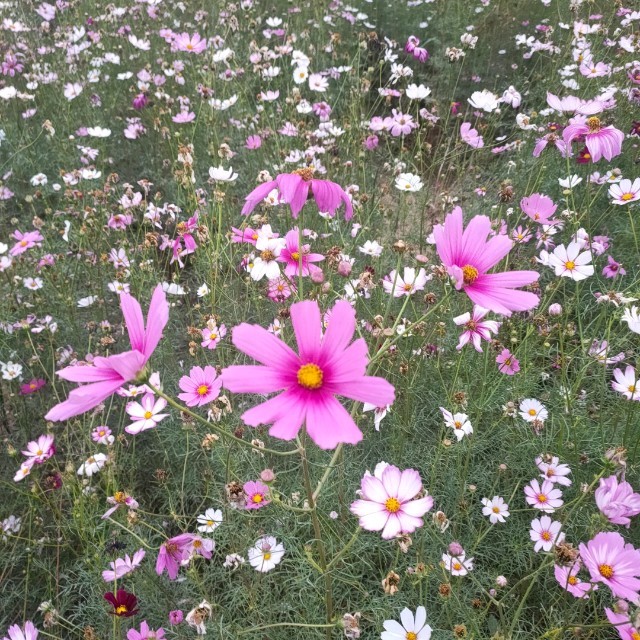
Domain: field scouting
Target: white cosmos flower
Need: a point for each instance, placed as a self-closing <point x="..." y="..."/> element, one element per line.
<point x="210" y="520"/>
<point x="625" y="191"/>
<point x="300" y="74"/>
<point x="173" y="288"/>
<point x="570" y="182"/>
<point x="413" y="626"/>
<point x="496" y="509"/>
<point x="484" y="100"/>
<point x="568" y="262"/>
<point x="409" y="182"/>
<point x="220" y="174"/>
<point x="371" y="248"/>
<point x="417" y="92"/>
<point x="99" y="132"/>
<point x="459" y="422"/>
<point x="532" y="410"/>
<point x="92" y="465"/>
<point x="265" y="263"/>
<point x="632" y="318"/>
<point x="86" y="302"/>
<point x="265" y="554"/>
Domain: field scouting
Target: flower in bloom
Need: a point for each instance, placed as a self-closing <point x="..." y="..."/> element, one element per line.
<point x="106" y="375"/>
<point x="121" y="566"/>
<point x="145" y="414"/>
<point x="294" y="190"/>
<point x="32" y="386"/>
<point x="256" y="493"/>
<point x="388" y="502"/>
<point x="626" y="383"/>
<point x="568" y="262"/>
<point x="533" y="410"/>
<point x="617" y="501"/>
<point x="459" y="422"/>
<point x="484" y="100"/>
<point x="124" y="603"/>
<point x="298" y="262"/>
<point x="470" y="136"/>
<point x="265" y="554"/>
<point x="457" y="565"/>
<point x="28" y="633"/>
<point x="507" y="363"/>
<point x="567" y="578"/>
<point x="627" y="630"/>
<point x="405" y="285"/>
<point x="600" y="141"/>
<point x="625" y="191"/>
<point x="613" y="562"/>
<point x="210" y="520"/>
<point x="468" y="256"/>
<point x="496" y="509"/>
<point x="632" y="318"/>
<point x="538" y="207"/>
<point x="413" y="627"/>
<point x="409" y="182"/>
<point x="545" y="533"/>
<point x="475" y="329"/>
<point x="200" y="387"/>
<point x="612" y="268"/>
<point x="145" y="633"/>
<point x="266" y="264"/>
<point x="39" y="450"/>
<point x="92" y="465"/>
<point x="173" y="553"/>
<point x="190" y="43"/>
<point x="325" y="366"/>
<point x="118" y="499"/>
<point x="212" y="334"/>
<point x="546" y="497"/>
<point x="220" y="174"/>
<point x="553" y="471"/>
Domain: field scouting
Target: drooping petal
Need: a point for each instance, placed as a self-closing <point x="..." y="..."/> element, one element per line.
<point x="294" y="191"/>
<point x="256" y="196"/>
<point x="134" y="321"/>
<point x="82" y="399"/>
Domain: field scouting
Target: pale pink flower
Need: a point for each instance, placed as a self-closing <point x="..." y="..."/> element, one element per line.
<point x="200" y="387"/>
<point x="145" y="414"/>
<point x="546" y="497"/>
<point x="476" y="328"/>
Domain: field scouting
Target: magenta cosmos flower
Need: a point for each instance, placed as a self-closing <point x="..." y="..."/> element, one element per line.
<point x="200" y="387"/>
<point x="292" y="256"/>
<point x="600" y="141"/>
<point x="106" y="375"/>
<point x="614" y="563"/>
<point x="538" y="207"/>
<point x="468" y="257"/>
<point x="325" y="366"/>
<point x="617" y="501"/>
<point x="294" y="190"/>
<point x="388" y="503"/>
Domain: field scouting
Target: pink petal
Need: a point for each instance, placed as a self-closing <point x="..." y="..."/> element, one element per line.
<point x="410" y="485"/>
<point x="256" y="196"/>
<point x="342" y="324"/>
<point x="294" y="191"/>
<point x="264" y="347"/>
<point x="329" y="423"/>
<point x="367" y="389"/>
<point x="305" y="317"/>
<point x="133" y="320"/>
<point x="157" y="319"/>
<point x="255" y="379"/>
<point x="82" y="399"/>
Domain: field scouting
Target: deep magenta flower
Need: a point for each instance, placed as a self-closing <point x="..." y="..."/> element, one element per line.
<point x="294" y="190"/>
<point x="172" y="554"/>
<point x="292" y="256"/>
<point x="389" y="502"/>
<point x="614" y="563"/>
<point x="468" y="257"/>
<point x="326" y="366"/>
<point x="124" y="603"/>
<point x="106" y="375"/>
<point x="31" y="387"/>
<point x="599" y="140"/>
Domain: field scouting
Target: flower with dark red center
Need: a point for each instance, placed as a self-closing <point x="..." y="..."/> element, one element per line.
<point x="124" y="603"/>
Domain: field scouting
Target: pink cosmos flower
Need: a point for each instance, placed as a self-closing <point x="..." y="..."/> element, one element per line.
<point x="614" y="563"/>
<point x="122" y="566"/>
<point x="256" y="494"/>
<point x="145" y="414"/>
<point x="39" y="450"/>
<point x="172" y="554"/>
<point x="190" y="43"/>
<point x="146" y="633"/>
<point x="16" y="633"/>
<point x="200" y="387"/>
<point x="468" y="257"/>
<point x="212" y="334"/>
<point x="546" y="497"/>
<point x="617" y="501"/>
<point x="567" y="578"/>
<point x="106" y="375"/>
<point x="25" y="241"/>
<point x="102" y="435"/>
<point x="551" y="470"/>
<point x="475" y="329"/>
<point x="613" y="268"/>
<point x="253" y="142"/>
<point x="280" y="289"/>
<point x="538" y="207"/>
<point x="470" y="136"/>
<point x="244" y="235"/>
<point x="290" y="254"/>
<point x="600" y="141"/>
<point x="388" y="503"/>
<point x="553" y="139"/>
<point x="545" y="533"/>
<point x="184" y="116"/>
<point x="294" y="190"/>
<point x="507" y="363"/>
<point x="572" y="104"/>
<point x="326" y="366"/>
<point x="32" y="386"/>
<point x="120" y="499"/>
<point x="625" y="628"/>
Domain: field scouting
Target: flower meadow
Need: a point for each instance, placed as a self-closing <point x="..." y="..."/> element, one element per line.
<point x="320" y="319"/>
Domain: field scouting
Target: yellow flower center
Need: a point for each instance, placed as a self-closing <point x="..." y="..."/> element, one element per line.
<point x="306" y="174"/>
<point x="411" y="635"/>
<point x="120" y="609"/>
<point x="635" y="635"/>
<point x="407" y="287"/>
<point x="457" y="566"/>
<point x="457" y="424"/>
<point x="120" y="497"/>
<point x="267" y="256"/>
<point x="496" y="509"/>
<point x="594" y="124"/>
<point x="148" y="415"/>
<point x="257" y="499"/>
<point x="392" y="505"/>
<point x="572" y="580"/>
<point x="570" y="265"/>
<point x="606" y="571"/>
<point x="532" y="412"/>
<point x="295" y="255"/>
<point x="310" y="376"/>
<point x="632" y="388"/>
<point x="542" y="497"/>
<point x="546" y="536"/>
<point x="626" y="196"/>
<point x="203" y="389"/>
<point x="39" y="452"/>
<point x="197" y="543"/>
<point x="23" y="243"/>
<point x="267" y="555"/>
<point x="469" y="274"/>
<point x="210" y="523"/>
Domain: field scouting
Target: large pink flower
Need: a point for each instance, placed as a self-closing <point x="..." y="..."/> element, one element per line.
<point x="600" y="141"/>
<point x="617" y="501"/>
<point x="106" y="375"/>
<point x="468" y="257"/>
<point x="294" y="190"/>
<point x="388" y="503"/>
<point x="326" y="366"/>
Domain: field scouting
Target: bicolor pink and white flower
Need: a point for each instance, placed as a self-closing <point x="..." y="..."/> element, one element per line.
<point x="476" y="328"/>
<point x="459" y="422"/>
<point x="406" y="285"/>
<point x="145" y="414"/>
<point x="496" y="509"/>
<point x="625" y="191"/>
